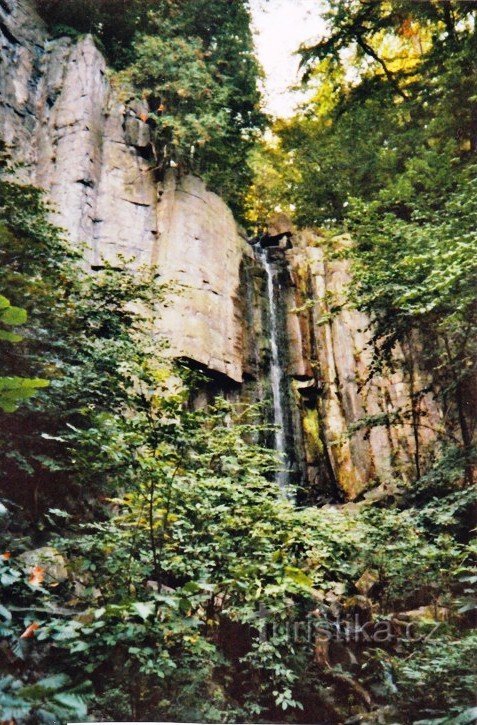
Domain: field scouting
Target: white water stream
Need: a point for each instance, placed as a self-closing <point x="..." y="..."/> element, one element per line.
<point x="276" y="373"/>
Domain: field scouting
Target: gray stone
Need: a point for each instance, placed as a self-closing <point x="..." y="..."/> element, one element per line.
<point x="49" y="559"/>
<point x="337" y="345"/>
<point x="137" y="133"/>
<point x="200" y="253"/>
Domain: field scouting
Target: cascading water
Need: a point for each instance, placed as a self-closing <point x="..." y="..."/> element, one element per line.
<point x="276" y="373"/>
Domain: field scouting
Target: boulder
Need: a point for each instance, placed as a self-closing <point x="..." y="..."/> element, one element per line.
<point x="49" y="559"/>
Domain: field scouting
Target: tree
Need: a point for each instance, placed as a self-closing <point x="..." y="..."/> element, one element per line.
<point x="379" y="151"/>
<point x="420" y="276"/>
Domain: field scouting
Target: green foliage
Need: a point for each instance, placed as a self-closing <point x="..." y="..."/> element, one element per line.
<point x="440" y="676"/>
<point x="381" y="150"/>
<point x="394" y="111"/>
<point x="190" y="509"/>
<point x="112" y="22"/>
<point x="171" y="610"/>
<point x="187" y="570"/>
<point x="419" y="276"/>
<point x="44" y="698"/>
<point x="385" y="149"/>
<point x="47" y="699"/>
<point x="10" y="316"/>
<point x="80" y="332"/>
<point x="179" y="82"/>
<point x="13" y="390"/>
<point x="198" y="539"/>
<point x="422" y="267"/>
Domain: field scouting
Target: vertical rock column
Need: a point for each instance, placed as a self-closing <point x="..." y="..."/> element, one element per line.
<point x="60" y="117"/>
<point x="331" y="369"/>
<point x="199" y="256"/>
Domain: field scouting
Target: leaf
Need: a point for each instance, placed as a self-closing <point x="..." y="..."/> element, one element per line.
<point x="49" y="437"/>
<point x="18" y="648"/>
<point x="30" y="631"/>
<point x="10" y="336"/>
<point x="15" y="712"/>
<point x="13" y="390"/>
<point x="9" y="577"/>
<point x="52" y="682"/>
<point x="143" y="609"/>
<point x="298" y="576"/>
<point x="80" y="646"/>
<point x="191" y="587"/>
<point x="72" y="702"/>
<point x="467" y="607"/>
<point x="467" y="717"/>
<point x="13" y="316"/>
<point x="5" y="613"/>
<point x="60" y="513"/>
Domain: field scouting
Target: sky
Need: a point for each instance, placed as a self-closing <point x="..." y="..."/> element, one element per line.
<point x="280" y="27"/>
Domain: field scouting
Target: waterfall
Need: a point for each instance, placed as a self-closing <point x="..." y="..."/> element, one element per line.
<point x="276" y="373"/>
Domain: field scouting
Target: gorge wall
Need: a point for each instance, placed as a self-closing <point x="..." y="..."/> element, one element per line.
<point x="61" y="116"/>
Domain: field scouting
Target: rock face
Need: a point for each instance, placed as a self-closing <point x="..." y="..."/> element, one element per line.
<point x="63" y="121"/>
<point x="90" y="150"/>
<point x="50" y="560"/>
<point x="200" y="253"/>
<point x="61" y="117"/>
<point x="331" y="365"/>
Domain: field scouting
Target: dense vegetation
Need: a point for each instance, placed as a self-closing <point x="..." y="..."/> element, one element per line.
<point x="149" y="567"/>
<point x="386" y="149"/>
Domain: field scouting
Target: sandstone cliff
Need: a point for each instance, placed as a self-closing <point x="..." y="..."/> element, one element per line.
<point x="333" y="355"/>
<point x="90" y="150"/>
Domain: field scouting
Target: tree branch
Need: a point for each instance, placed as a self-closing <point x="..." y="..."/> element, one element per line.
<point x="372" y="53"/>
